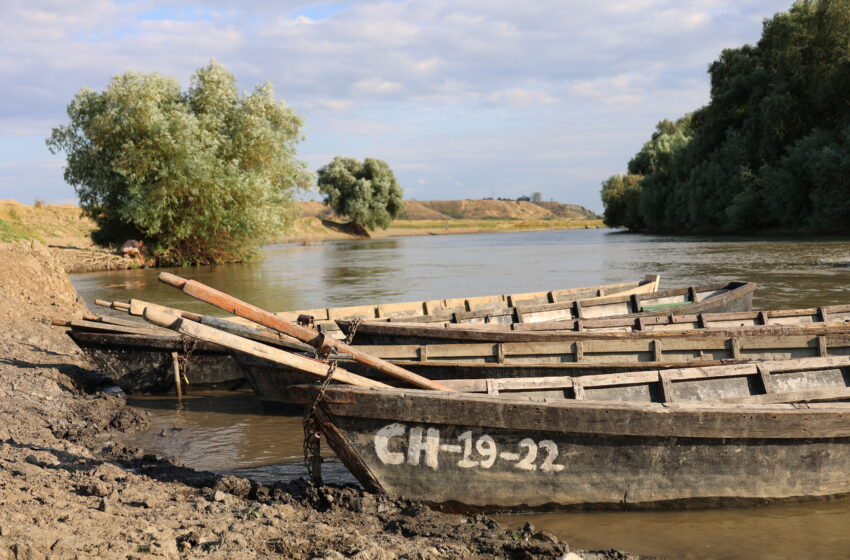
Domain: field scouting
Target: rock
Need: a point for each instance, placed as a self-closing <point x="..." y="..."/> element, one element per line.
<point x="239" y="487"/>
<point x="219" y="496"/>
<point x="546" y="536"/>
<point x="571" y="556"/>
<point x="331" y="555"/>
<point x="99" y="488"/>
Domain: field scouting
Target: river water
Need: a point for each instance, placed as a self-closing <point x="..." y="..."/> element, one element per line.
<point x="230" y="431"/>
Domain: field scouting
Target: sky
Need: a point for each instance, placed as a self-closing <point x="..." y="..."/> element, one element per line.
<point x="464" y="99"/>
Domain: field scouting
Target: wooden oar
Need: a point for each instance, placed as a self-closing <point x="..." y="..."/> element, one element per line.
<point x="266" y="336"/>
<point x="261" y="316"/>
<point x="234" y="342"/>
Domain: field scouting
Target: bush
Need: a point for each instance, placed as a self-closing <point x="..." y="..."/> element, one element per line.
<point x="367" y="192"/>
<point x="202" y="176"/>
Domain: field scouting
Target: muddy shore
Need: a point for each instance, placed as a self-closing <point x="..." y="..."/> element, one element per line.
<point x="68" y="490"/>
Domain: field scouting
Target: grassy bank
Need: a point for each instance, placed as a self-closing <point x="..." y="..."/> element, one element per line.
<point x="67" y="232"/>
<point x="315" y="230"/>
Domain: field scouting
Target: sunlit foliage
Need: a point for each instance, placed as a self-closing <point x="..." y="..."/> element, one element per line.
<point x="770" y="150"/>
<point x="202" y="176"/>
<point x="367" y="192"/>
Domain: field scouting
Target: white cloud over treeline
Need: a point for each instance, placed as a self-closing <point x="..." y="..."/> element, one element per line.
<point x="494" y="96"/>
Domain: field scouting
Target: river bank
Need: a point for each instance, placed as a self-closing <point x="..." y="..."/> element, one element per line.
<point x="66" y="231"/>
<point x="70" y="485"/>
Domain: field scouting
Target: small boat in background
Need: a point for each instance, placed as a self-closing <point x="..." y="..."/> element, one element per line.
<point x="621" y="310"/>
<point x="451" y="309"/>
<point x="738" y="434"/>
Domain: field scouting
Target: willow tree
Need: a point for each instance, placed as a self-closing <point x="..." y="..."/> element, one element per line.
<point x="202" y="176"/>
<point x="366" y="192"/>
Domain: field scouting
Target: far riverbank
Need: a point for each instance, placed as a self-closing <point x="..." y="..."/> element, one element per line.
<point x="68" y="234"/>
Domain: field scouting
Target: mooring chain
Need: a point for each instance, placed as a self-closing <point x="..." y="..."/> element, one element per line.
<point x="312" y="435"/>
<point x="189" y="344"/>
<point x="352" y="330"/>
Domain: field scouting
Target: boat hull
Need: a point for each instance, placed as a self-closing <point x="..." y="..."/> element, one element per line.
<point x="475" y="452"/>
<point x="735" y="297"/>
<point x="576" y="355"/>
<point x="143" y="364"/>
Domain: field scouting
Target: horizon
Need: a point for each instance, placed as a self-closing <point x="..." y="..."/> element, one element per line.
<point x="463" y="100"/>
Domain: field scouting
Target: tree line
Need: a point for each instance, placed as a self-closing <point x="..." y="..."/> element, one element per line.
<point x="771" y="149"/>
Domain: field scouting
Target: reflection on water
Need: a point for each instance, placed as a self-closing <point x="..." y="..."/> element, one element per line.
<point x="225" y="431"/>
<point x="817" y="530"/>
<point x="229" y="431"/>
<point x="790" y="272"/>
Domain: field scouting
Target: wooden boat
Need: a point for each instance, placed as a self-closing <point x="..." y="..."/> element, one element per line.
<point x="741" y="434"/>
<point x="633" y="323"/>
<point x="574" y="354"/>
<point x="138" y="357"/>
<point x="710" y="298"/>
<point x="447" y="309"/>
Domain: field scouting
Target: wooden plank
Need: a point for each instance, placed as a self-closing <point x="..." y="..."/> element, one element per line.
<point x="656" y="351"/>
<point x="234" y="342"/>
<point x="666" y="387"/>
<point x="578" y="389"/>
<point x="764" y="375"/>
<point x="578" y="350"/>
<point x="735" y="347"/>
<point x="826" y="394"/>
<point x="106" y="327"/>
<point x="822" y="347"/>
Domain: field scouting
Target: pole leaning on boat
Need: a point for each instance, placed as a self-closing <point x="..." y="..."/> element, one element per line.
<point x="260" y="316"/>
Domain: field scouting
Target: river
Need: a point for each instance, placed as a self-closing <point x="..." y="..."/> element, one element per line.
<point x="230" y="431"/>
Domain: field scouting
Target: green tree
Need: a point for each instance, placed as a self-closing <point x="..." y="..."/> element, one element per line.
<point x="770" y="148"/>
<point x="202" y="176"/>
<point x="366" y="192"/>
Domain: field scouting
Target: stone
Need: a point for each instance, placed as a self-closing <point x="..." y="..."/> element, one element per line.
<point x="99" y="488"/>
<point x="219" y="496"/>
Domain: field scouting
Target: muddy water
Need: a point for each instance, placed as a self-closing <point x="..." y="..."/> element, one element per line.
<point x="230" y="431"/>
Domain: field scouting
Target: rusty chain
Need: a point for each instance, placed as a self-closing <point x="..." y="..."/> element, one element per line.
<point x="189" y="344"/>
<point x="312" y="435"/>
<point x="352" y="330"/>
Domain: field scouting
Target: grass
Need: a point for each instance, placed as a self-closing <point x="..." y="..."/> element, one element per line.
<point x="14" y="231"/>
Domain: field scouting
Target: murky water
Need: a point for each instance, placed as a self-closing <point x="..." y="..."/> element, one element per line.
<point x="228" y="431"/>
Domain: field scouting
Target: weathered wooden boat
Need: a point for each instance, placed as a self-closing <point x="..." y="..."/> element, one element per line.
<point x="742" y="434"/>
<point x="711" y="298"/>
<point x="574" y="354"/>
<point x="630" y="323"/>
<point x="138" y="357"/>
<point x="456" y="308"/>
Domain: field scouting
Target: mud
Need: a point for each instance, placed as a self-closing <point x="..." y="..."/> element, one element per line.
<point x="68" y="490"/>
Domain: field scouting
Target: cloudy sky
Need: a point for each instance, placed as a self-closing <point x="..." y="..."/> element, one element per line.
<point x="464" y="99"/>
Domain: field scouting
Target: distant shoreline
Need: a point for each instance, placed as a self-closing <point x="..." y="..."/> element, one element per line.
<point x="319" y="233"/>
<point x="66" y="231"/>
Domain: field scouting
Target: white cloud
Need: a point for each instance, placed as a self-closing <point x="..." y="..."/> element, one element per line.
<point x="520" y="97"/>
<point x="376" y="86"/>
<point x="417" y="81"/>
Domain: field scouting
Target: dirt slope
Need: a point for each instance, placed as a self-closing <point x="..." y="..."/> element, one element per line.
<point x="481" y="209"/>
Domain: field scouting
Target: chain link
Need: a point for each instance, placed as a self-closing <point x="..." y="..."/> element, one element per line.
<point x="189" y="344"/>
<point x="312" y="435"/>
<point x="352" y="330"/>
